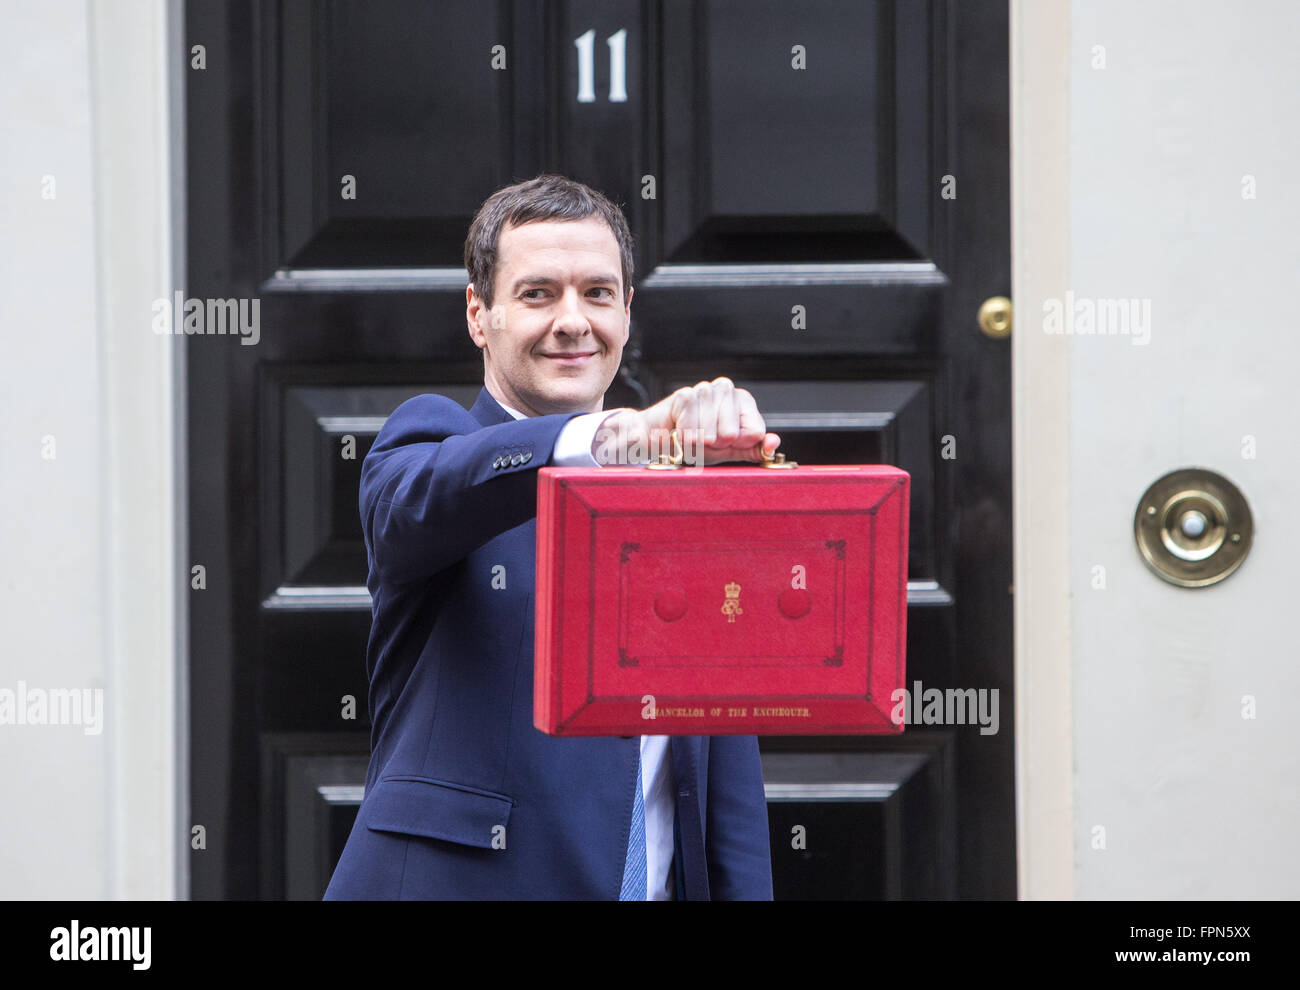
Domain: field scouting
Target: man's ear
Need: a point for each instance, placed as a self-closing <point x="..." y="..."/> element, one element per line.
<point x="627" y="318"/>
<point x="475" y="312"/>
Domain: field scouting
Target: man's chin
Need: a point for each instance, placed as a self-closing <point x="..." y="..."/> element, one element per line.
<point x="563" y="400"/>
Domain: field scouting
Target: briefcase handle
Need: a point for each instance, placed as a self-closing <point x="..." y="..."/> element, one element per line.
<point x="674" y="461"/>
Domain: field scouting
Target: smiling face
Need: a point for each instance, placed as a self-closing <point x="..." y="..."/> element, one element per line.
<point x="553" y="339"/>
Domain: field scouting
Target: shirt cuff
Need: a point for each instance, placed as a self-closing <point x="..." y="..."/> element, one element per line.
<point x="573" y="445"/>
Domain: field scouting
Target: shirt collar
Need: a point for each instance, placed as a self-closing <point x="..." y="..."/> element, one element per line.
<point x="513" y="412"/>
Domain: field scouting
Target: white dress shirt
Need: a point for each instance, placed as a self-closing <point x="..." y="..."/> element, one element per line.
<point x="573" y="449"/>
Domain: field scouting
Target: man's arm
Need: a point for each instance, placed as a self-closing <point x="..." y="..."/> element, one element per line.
<point x="434" y="487"/>
<point x="738" y="848"/>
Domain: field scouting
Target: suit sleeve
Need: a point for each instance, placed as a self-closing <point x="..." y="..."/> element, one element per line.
<point x="437" y="484"/>
<point x="737" y="845"/>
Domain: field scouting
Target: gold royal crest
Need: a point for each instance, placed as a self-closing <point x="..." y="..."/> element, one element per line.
<point x="731" y="607"/>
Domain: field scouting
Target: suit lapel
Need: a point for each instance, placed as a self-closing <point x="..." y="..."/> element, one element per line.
<point x="488" y="411"/>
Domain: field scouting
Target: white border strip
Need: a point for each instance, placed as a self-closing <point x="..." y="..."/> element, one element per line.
<point x="1040" y="251"/>
<point x="130" y="48"/>
<point x="174" y="80"/>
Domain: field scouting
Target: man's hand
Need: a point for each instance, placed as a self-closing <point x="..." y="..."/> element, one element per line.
<point x="718" y="422"/>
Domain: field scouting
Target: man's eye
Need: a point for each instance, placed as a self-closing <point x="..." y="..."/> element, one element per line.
<point x="529" y="293"/>
<point x="604" y="288"/>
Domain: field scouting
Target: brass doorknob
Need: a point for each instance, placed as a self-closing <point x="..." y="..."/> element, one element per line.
<point x="1193" y="527"/>
<point x="995" y="317"/>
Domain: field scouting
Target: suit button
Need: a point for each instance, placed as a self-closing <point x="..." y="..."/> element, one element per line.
<point x="496" y="463"/>
<point x="517" y="460"/>
<point x="528" y="456"/>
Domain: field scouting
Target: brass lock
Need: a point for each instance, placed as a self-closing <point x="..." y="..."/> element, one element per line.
<point x="775" y="460"/>
<point x="673" y="461"/>
<point x="995" y="317"/>
<point x="1193" y="527"/>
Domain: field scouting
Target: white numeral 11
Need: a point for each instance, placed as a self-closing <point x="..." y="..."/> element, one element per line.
<point x="585" y="43"/>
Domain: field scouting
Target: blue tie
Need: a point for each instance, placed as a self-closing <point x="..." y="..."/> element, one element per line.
<point x="634" y="868"/>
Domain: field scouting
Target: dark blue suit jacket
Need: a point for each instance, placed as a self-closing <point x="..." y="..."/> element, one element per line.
<point x="465" y="798"/>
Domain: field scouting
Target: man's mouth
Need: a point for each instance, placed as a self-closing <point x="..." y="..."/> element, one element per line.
<point x="570" y="357"/>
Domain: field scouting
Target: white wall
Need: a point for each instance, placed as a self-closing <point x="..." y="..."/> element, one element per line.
<point x="89" y="535"/>
<point x="1148" y="679"/>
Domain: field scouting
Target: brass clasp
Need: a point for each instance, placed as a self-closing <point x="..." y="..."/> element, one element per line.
<point x="775" y="460"/>
<point x="673" y="461"/>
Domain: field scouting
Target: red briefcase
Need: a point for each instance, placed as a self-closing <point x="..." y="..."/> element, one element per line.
<point x="720" y="600"/>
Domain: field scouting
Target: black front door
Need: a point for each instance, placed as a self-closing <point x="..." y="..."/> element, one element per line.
<point x="819" y="193"/>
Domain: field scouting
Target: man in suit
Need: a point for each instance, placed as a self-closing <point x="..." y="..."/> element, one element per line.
<point x="465" y="798"/>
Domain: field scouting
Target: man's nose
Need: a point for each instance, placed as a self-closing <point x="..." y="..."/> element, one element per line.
<point x="570" y="319"/>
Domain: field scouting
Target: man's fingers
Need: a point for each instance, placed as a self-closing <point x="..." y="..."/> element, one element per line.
<point x="728" y="411"/>
<point x="718" y="422"/>
<point x="694" y="415"/>
<point x="767" y="445"/>
<point x="753" y="452"/>
<point x="706" y="413"/>
<point x="751" y="427"/>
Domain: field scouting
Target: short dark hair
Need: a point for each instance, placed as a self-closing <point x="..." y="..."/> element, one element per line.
<point x="547" y="197"/>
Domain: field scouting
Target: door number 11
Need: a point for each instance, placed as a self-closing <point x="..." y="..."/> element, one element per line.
<point x="585" y="43"/>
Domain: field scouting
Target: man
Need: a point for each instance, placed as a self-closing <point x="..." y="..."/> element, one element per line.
<point x="464" y="797"/>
